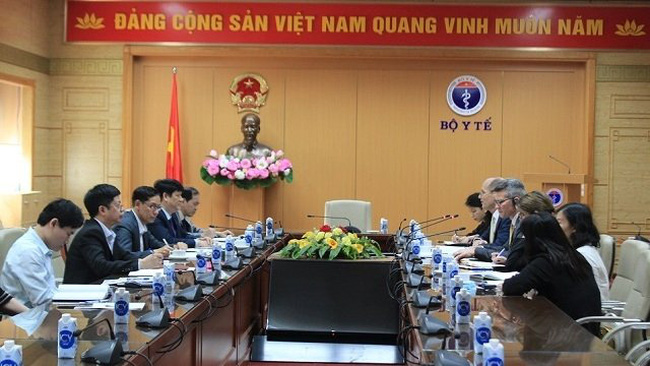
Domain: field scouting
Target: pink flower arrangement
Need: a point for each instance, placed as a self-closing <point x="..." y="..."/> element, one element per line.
<point x="246" y="173"/>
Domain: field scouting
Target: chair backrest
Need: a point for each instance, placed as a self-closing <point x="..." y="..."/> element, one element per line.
<point x="631" y="251"/>
<point x="607" y="251"/>
<point x="637" y="304"/>
<point x="7" y="238"/>
<point x="359" y="213"/>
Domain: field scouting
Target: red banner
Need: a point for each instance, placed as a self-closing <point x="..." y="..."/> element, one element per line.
<point x="360" y="24"/>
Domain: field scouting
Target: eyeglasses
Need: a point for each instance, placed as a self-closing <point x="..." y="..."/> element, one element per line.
<point x="153" y="206"/>
<point x="501" y="202"/>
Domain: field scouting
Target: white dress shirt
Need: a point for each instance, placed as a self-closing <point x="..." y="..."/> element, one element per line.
<point x="27" y="273"/>
<point x="109" y="234"/>
<point x="493" y="225"/>
<point x="142" y="228"/>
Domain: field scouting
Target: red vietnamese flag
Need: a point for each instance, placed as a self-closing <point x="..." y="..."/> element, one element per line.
<point x="173" y="166"/>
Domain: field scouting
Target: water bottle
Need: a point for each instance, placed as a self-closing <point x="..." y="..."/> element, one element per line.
<point x="248" y="235"/>
<point x="436" y="258"/>
<point x="416" y="246"/>
<point x="258" y="229"/>
<point x="158" y="285"/>
<point x="201" y="263"/>
<point x="452" y="271"/>
<point x="456" y="285"/>
<point x="412" y="225"/>
<point x="67" y="347"/>
<point x="168" y="269"/>
<point x="269" y="226"/>
<point x="11" y="354"/>
<point x="230" y="248"/>
<point x="121" y="306"/>
<point x="463" y="306"/>
<point x="482" y="330"/>
<point x="445" y="276"/>
<point x="383" y="226"/>
<point x="122" y="335"/>
<point x="493" y="353"/>
<point x="216" y="257"/>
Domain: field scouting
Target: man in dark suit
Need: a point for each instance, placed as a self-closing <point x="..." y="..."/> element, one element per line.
<point x="132" y="234"/>
<point x="167" y="225"/>
<point x="93" y="254"/>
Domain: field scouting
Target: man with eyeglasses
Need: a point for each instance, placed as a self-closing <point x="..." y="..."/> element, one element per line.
<point x="497" y="236"/>
<point x="93" y="255"/>
<point x="132" y="234"/>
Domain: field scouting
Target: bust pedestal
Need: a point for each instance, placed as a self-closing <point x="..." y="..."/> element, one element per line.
<point x="244" y="203"/>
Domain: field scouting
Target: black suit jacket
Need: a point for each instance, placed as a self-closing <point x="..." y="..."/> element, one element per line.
<point x="128" y="236"/>
<point x="90" y="260"/>
<point x="500" y="240"/>
<point x="161" y="229"/>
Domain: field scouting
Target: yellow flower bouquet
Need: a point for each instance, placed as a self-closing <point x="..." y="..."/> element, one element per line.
<point x="328" y="243"/>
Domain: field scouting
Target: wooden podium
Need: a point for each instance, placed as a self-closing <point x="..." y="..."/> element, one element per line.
<point x="563" y="188"/>
<point x="247" y="204"/>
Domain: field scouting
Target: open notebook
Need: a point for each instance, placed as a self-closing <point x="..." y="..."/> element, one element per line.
<point x="81" y="292"/>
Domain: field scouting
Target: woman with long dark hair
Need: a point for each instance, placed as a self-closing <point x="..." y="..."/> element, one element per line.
<point x="555" y="270"/>
<point x="578" y="225"/>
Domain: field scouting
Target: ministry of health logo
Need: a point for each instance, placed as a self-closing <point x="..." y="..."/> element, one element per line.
<point x="466" y="95"/>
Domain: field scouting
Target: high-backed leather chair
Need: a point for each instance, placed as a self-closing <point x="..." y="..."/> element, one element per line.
<point x="631" y="251"/>
<point x="7" y="237"/>
<point x="607" y="251"/>
<point x="358" y="212"/>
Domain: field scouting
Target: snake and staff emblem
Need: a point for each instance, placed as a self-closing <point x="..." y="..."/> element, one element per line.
<point x="466" y="95"/>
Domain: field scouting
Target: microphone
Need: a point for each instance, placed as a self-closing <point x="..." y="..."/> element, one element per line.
<point x="561" y="162"/>
<point x="349" y="228"/>
<point x="436" y="234"/>
<point x="240" y="218"/>
<point x="105" y="353"/>
<point x="192" y="293"/>
<point x="445" y="218"/>
<point x="638" y="234"/>
<point x="158" y="318"/>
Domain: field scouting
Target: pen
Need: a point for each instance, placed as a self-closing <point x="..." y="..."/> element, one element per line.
<point x="501" y="252"/>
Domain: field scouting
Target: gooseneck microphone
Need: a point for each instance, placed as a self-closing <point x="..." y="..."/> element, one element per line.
<point x="561" y="162"/>
<point x="240" y="218"/>
<point x="331" y="217"/>
<point x="439" y="221"/>
<point x="156" y="318"/>
<point x="105" y="353"/>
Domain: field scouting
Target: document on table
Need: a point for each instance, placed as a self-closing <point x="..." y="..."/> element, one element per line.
<point x="134" y="306"/>
<point x="81" y="292"/>
<point x="478" y="265"/>
<point x="145" y="272"/>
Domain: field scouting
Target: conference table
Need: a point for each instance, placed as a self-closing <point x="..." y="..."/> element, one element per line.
<point x="219" y="328"/>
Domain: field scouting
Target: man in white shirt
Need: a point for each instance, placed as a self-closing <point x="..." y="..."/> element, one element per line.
<point x="27" y="273"/>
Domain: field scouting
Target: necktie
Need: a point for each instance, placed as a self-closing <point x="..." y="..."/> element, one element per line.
<point x="172" y="226"/>
<point x="512" y="231"/>
<point x="493" y="225"/>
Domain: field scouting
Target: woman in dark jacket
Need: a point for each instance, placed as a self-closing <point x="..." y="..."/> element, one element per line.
<point x="555" y="270"/>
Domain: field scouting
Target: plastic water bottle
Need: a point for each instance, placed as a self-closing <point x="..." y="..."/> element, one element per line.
<point x="482" y="330"/>
<point x="216" y="257"/>
<point x="412" y="225"/>
<point x="456" y="285"/>
<point x="67" y="341"/>
<point x="230" y="247"/>
<point x="122" y="335"/>
<point x="201" y="263"/>
<point x="248" y="235"/>
<point x="436" y="258"/>
<point x="158" y="285"/>
<point x="463" y="306"/>
<point x="383" y="226"/>
<point x="168" y="270"/>
<point x="121" y="305"/>
<point x="416" y="246"/>
<point x="452" y="271"/>
<point x="493" y="353"/>
<point x="258" y="229"/>
<point x="11" y="354"/>
<point x="269" y="226"/>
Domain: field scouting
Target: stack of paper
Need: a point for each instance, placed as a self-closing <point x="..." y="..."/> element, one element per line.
<point x="81" y="293"/>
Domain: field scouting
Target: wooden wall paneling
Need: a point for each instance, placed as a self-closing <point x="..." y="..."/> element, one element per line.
<point x="543" y="114"/>
<point x="630" y="153"/>
<point x="48" y="152"/>
<point x="320" y="139"/>
<point x="392" y="143"/>
<point x="84" y="158"/>
<point x="114" y="173"/>
<point x="51" y="187"/>
<point x="461" y="160"/>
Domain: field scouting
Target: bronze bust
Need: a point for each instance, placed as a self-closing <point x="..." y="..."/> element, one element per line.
<point x="250" y="147"/>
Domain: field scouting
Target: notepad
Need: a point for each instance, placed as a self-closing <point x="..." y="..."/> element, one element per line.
<point x="69" y="292"/>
